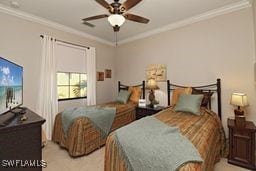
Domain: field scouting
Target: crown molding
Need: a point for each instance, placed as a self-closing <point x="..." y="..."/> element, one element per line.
<point x="210" y="14"/>
<point x="29" y="17"/>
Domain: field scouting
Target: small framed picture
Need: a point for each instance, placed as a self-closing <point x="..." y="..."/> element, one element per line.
<point x="100" y="76"/>
<point x="108" y="73"/>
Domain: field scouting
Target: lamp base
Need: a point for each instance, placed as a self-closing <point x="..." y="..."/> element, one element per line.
<point x="240" y="120"/>
<point x="151" y="98"/>
<point x="238" y="112"/>
<point x="151" y="105"/>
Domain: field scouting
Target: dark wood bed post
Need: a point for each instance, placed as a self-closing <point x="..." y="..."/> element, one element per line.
<point x="168" y="92"/>
<point x="219" y="96"/>
<point x="119" y="85"/>
<point x="143" y="89"/>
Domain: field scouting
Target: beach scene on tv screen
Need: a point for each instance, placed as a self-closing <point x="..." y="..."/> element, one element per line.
<point x="10" y="85"/>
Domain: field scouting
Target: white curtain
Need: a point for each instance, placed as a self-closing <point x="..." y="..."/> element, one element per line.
<point x="47" y="105"/>
<point x="91" y="76"/>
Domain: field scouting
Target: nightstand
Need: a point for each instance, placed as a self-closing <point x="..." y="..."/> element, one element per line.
<point x="242" y="144"/>
<point x="147" y="111"/>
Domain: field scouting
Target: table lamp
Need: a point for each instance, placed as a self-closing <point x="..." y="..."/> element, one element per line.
<point x="151" y="85"/>
<point x="239" y="100"/>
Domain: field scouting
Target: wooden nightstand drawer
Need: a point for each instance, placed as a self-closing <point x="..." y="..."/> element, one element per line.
<point x="241" y="132"/>
<point x="144" y="112"/>
<point x="147" y="111"/>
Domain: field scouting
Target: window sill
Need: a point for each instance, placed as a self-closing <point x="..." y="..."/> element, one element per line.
<point x="76" y="98"/>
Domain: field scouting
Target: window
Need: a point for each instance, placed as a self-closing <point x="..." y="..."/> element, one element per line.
<point x="71" y="85"/>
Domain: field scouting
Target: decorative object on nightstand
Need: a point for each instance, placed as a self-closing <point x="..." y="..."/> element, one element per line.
<point x="147" y="111"/>
<point x="240" y="100"/>
<point x="151" y="85"/>
<point x="142" y="103"/>
<point x="242" y="144"/>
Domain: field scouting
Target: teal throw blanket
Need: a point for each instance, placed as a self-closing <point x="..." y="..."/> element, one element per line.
<point x="149" y="144"/>
<point x="101" y="117"/>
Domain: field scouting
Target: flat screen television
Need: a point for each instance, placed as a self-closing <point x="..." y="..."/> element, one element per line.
<point x="11" y="85"/>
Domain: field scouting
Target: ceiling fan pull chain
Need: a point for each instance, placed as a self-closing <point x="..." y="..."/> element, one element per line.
<point x="116" y="38"/>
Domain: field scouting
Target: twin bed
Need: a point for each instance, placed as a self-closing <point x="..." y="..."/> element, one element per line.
<point x="204" y="131"/>
<point x="82" y="137"/>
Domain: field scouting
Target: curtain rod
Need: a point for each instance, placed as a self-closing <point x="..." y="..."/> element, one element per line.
<point x="42" y="36"/>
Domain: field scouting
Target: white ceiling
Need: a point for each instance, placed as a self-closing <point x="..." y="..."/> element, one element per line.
<point x="160" y="13"/>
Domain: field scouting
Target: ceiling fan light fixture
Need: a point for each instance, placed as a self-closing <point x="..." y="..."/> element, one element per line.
<point x="116" y="20"/>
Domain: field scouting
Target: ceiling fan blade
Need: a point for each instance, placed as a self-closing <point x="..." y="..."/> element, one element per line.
<point x="95" y="17"/>
<point x="129" y="4"/>
<point x="88" y="24"/>
<point x="103" y="3"/>
<point x="136" y="18"/>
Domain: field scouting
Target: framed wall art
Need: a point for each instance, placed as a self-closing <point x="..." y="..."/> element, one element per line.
<point x="108" y="73"/>
<point x="156" y="71"/>
<point x="100" y="76"/>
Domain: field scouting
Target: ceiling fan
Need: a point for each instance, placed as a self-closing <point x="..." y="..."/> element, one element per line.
<point x="118" y="14"/>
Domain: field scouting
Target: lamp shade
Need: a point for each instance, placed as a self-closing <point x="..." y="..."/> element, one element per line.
<point x="239" y="99"/>
<point x="151" y="85"/>
<point x="116" y="20"/>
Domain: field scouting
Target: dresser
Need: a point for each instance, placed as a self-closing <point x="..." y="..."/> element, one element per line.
<point x="20" y="142"/>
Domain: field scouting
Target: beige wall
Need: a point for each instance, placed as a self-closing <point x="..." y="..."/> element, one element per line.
<point x="221" y="47"/>
<point x="20" y="43"/>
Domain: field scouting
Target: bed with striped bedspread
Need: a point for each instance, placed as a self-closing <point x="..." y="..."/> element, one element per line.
<point x="204" y="131"/>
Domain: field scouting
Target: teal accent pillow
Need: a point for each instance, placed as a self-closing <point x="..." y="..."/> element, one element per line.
<point x="123" y="96"/>
<point x="189" y="103"/>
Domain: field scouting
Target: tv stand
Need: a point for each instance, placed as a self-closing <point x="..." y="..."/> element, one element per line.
<point x="2" y="124"/>
<point x="6" y="118"/>
<point x="21" y="140"/>
<point x="18" y="113"/>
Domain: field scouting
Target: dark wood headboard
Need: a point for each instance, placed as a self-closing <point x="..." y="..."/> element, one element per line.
<point x="126" y="87"/>
<point x="216" y="88"/>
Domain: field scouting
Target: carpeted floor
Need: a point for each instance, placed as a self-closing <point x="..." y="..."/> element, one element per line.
<point x="58" y="160"/>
